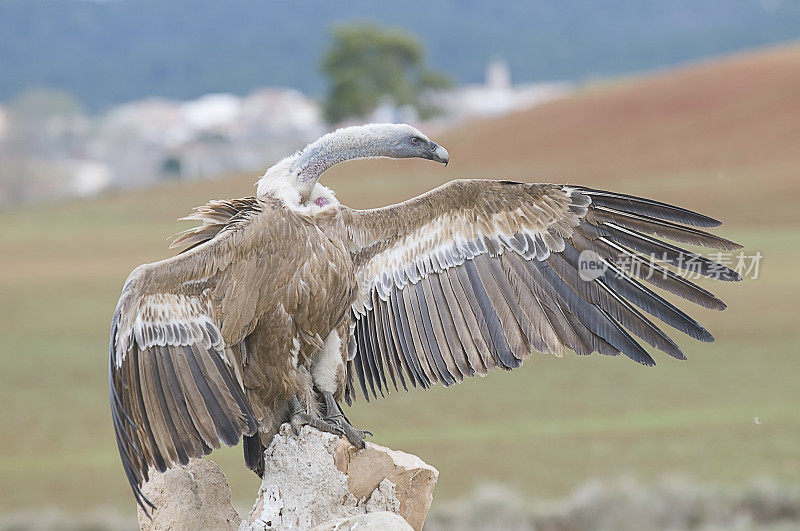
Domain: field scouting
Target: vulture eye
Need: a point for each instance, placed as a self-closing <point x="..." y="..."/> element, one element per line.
<point x="415" y="140"/>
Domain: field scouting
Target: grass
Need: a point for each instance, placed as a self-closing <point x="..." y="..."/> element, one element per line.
<point x="542" y="429"/>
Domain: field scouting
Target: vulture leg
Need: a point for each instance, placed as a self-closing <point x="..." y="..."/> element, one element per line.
<point x="335" y="415"/>
<point x="299" y="417"/>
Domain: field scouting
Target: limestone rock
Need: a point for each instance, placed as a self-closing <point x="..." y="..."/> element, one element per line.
<point x="380" y="521"/>
<point x="195" y="496"/>
<point x="318" y="479"/>
<point x="300" y="488"/>
<point x="413" y="479"/>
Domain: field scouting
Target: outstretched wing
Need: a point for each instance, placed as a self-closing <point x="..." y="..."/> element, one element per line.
<point x="176" y="346"/>
<point x="476" y="273"/>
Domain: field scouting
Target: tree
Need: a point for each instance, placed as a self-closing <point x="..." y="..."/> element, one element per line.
<point x="367" y="63"/>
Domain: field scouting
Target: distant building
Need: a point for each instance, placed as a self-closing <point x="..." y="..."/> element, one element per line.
<point x="211" y="114"/>
<point x="3" y="123"/>
<point x="87" y="177"/>
<point x="497" y="96"/>
<point x="498" y="76"/>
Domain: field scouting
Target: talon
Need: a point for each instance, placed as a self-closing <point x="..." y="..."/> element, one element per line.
<point x="334" y="416"/>
<point x="296" y="425"/>
<point x="300" y="418"/>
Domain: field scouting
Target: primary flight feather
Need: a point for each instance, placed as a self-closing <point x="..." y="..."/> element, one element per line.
<point x="284" y="304"/>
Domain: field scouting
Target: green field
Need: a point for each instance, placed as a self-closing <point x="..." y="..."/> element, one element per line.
<point x="543" y="429"/>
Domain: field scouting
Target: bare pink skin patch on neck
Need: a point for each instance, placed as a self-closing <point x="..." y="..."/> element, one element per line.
<point x="321" y="202"/>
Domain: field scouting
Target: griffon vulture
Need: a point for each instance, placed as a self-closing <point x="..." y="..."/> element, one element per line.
<point x="284" y="304"/>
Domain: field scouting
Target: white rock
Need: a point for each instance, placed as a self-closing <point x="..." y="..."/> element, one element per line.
<point x="380" y="521"/>
<point x="301" y="488"/>
<point x="319" y="478"/>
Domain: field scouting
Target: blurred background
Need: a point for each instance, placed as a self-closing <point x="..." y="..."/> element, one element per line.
<point x="117" y="117"/>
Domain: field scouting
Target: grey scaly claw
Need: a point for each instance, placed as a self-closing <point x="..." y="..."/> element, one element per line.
<point x="299" y="418"/>
<point x="335" y="416"/>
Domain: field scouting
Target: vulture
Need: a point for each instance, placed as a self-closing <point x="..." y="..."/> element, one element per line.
<point x="283" y="305"/>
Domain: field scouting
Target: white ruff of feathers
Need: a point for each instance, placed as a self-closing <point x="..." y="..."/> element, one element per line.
<point x="279" y="182"/>
<point x="291" y="178"/>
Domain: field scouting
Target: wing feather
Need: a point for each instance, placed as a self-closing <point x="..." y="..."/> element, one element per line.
<point x="175" y="388"/>
<point x="473" y="306"/>
<point x="648" y="207"/>
<point x="647" y="269"/>
<point x="358" y="361"/>
<point x="366" y="354"/>
<point x="665" y="229"/>
<point x="403" y="331"/>
<point x="430" y="345"/>
<point x="448" y="355"/>
<point x="375" y="350"/>
<point x="482" y="360"/>
<point x="543" y="331"/>
<point x="460" y="328"/>
<point x="512" y="301"/>
<point x="448" y="324"/>
<point x="160" y="418"/>
<point x="680" y="258"/>
<point x="475" y="274"/>
<point x="414" y="332"/>
<point x="393" y="363"/>
<point x="497" y="332"/>
<point x="179" y="405"/>
<point x="597" y="292"/>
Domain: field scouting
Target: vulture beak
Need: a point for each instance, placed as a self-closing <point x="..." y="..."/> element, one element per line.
<point x="439" y="153"/>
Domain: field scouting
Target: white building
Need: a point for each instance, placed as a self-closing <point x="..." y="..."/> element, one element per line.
<point x="3" y="123"/>
<point x="497" y="96"/>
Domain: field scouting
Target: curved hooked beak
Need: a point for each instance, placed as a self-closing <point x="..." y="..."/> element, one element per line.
<point x="439" y="153"/>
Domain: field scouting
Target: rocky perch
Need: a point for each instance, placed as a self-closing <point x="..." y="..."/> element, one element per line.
<point x="315" y="481"/>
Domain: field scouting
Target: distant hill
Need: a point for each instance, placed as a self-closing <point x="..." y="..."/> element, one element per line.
<point x="720" y="136"/>
<point x="106" y="52"/>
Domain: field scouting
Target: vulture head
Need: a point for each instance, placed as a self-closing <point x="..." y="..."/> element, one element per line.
<point x="401" y="141"/>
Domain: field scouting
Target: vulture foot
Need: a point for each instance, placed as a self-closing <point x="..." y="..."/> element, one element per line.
<point x="299" y="418"/>
<point x="335" y="416"/>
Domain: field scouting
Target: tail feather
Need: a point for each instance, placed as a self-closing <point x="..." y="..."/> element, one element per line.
<point x="254" y="453"/>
